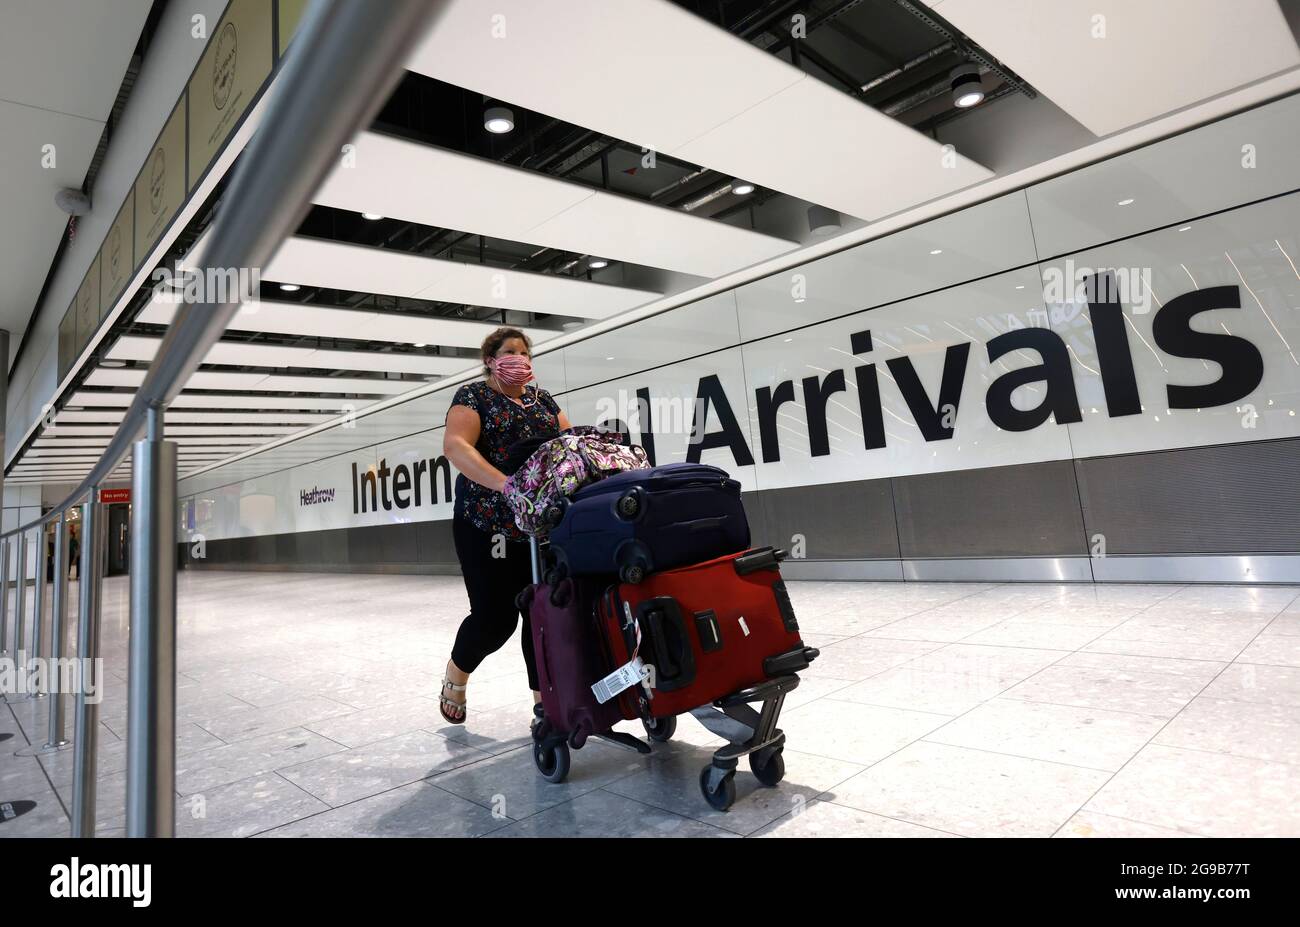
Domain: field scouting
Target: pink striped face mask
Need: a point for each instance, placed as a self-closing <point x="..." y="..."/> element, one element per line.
<point x="511" y="369"/>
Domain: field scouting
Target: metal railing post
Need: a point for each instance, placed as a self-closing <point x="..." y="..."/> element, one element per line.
<point x="58" y="634"/>
<point x="20" y="600"/>
<point x="4" y="597"/>
<point x="151" y="705"/>
<point x="90" y="574"/>
<point x="38" y="605"/>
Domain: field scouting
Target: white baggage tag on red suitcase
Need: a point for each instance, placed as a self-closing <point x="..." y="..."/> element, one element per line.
<point x="625" y="677"/>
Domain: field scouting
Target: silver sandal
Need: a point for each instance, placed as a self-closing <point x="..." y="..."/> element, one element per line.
<point x="447" y="685"/>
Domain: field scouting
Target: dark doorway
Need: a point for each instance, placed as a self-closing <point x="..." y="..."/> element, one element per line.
<point x="119" y="539"/>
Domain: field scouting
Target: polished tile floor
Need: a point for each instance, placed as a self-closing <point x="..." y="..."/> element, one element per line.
<point x="308" y="707"/>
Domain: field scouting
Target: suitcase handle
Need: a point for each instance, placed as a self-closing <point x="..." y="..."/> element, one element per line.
<point x="760" y="558"/>
<point x="674" y="656"/>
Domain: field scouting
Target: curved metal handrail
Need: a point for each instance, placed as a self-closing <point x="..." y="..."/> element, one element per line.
<point x="317" y="104"/>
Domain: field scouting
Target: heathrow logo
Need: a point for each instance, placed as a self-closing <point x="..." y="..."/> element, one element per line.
<point x="315" y="496"/>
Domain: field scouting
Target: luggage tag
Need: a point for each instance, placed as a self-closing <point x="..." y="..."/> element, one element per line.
<point x="630" y="673"/>
<point x="625" y="677"/>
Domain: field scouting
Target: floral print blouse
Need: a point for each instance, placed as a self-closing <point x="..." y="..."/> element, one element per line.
<point x="502" y="422"/>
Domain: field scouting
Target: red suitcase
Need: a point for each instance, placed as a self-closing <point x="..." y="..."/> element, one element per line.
<point x="705" y="631"/>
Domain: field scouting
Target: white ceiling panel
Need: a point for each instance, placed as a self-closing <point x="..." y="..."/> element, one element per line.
<point x="270" y="383"/>
<point x="419" y="183"/>
<point x="340" y="266"/>
<point x="142" y="348"/>
<point x="178" y="416"/>
<point x="656" y="74"/>
<point x="231" y="445"/>
<point x="843" y="154"/>
<point x="326" y="404"/>
<point x="109" y="376"/>
<point x="614" y="226"/>
<point x="358" y="324"/>
<point x="671" y="81"/>
<point x="337" y="265"/>
<point x="211" y="436"/>
<point x="1153" y="57"/>
<point x="481" y="285"/>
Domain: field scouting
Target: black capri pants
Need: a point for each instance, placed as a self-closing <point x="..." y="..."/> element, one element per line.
<point x="492" y="584"/>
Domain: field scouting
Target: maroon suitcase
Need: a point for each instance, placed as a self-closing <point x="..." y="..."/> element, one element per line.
<point x="570" y="659"/>
<point x="709" y="630"/>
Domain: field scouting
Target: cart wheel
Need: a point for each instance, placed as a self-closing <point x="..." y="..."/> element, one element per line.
<point x="661" y="730"/>
<point x="631" y="573"/>
<point x="553" y="764"/>
<point x="629" y="504"/>
<point x="769" y="771"/>
<point x="725" y="796"/>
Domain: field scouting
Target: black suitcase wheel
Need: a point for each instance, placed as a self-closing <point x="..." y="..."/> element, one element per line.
<point x="629" y="504"/>
<point x="552" y="763"/>
<point x="660" y="730"/>
<point x="631" y="573"/>
<point x="770" y="770"/>
<point x="524" y="598"/>
<point x="558" y="598"/>
<point x="725" y="796"/>
<point x="553" y="515"/>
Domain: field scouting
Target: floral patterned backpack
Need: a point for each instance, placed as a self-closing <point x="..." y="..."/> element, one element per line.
<point x="539" y="490"/>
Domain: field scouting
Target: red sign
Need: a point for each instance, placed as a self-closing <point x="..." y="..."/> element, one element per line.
<point x="115" y="495"/>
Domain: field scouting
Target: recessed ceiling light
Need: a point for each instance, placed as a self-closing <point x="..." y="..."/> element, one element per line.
<point x="597" y="263"/>
<point x="937" y="251"/>
<point x="966" y="87"/>
<point x="741" y="187"/>
<point x="609" y="358"/>
<point x="1021" y="287"/>
<point x="1184" y="228"/>
<point x="112" y="362"/>
<point x="571" y="326"/>
<point x="290" y="287"/>
<point x="788" y="340"/>
<point x="1125" y="202"/>
<point x="372" y="216"/>
<point x="420" y="345"/>
<point x="498" y="120"/>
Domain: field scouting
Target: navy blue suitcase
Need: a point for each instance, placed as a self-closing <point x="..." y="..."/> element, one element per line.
<point x="642" y="521"/>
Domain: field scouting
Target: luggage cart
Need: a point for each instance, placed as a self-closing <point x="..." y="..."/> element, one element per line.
<point x="748" y="732"/>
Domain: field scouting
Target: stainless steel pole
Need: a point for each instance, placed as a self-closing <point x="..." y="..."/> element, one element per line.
<point x="38" y="606"/>
<point x="58" y="634"/>
<point x="90" y="574"/>
<point x="151" y="704"/>
<point x="20" y="601"/>
<point x="4" y="598"/>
